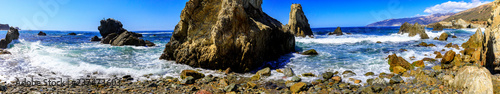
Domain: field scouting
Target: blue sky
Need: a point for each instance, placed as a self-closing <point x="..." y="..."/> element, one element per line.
<point x="84" y="15"/>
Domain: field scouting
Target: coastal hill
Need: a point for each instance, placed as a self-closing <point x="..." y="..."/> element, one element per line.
<point x="479" y="14"/>
<point x="424" y="20"/>
<point x="4" y="26"/>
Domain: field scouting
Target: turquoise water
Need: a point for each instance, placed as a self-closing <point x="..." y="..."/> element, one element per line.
<point x="62" y="55"/>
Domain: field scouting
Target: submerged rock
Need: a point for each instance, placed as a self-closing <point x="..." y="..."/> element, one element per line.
<point x="474" y="80"/>
<point x="41" y="34"/>
<point x="310" y="52"/>
<point x="298" y="23"/>
<point x="12" y="34"/>
<point x="72" y="33"/>
<point x="337" y="32"/>
<point x="234" y="34"/>
<point x="413" y="30"/>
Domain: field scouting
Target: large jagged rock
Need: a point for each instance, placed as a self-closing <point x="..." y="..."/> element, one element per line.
<point x="491" y="47"/>
<point x="413" y="30"/>
<point x="474" y="80"/>
<point x="337" y="32"/>
<point x="298" y="23"/>
<point x="12" y="34"/>
<point x="113" y="33"/>
<point x="221" y="34"/>
<point x="475" y="41"/>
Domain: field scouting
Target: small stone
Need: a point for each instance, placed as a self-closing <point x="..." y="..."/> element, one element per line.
<point x="369" y="74"/>
<point x="279" y="70"/>
<point x="337" y="79"/>
<point x="264" y="72"/>
<point x="127" y="77"/>
<point x="310" y="52"/>
<point x="379" y="42"/>
<point x="188" y="80"/>
<point x="251" y="85"/>
<point x="231" y="87"/>
<point x="348" y="73"/>
<point x="153" y="85"/>
<point x="396" y="79"/>
<point x="327" y="75"/>
<point x="192" y="73"/>
<point x="308" y="75"/>
<point x="296" y="79"/>
<point x="288" y="72"/>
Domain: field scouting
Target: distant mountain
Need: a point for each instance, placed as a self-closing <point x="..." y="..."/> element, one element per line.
<point x="4" y="26"/>
<point x="479" y="14"/>
<point x="423" y="20"/>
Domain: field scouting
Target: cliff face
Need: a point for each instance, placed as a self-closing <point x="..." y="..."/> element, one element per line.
<point x="491" y="51"/>
<point x="220" y="34"/>
<point x="4" y="26"/>
<point x="298" y="23"/>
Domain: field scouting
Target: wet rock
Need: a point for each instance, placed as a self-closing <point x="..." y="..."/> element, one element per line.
<point x="453" y="36"/>
<point x="308" y="75"/>
<point x="438" y="55"/>
<point x="395" y="61"/>
<point x="188" y="80"/>
<point x="369" y="74"/>
<point x="264" y="72"/>
<point x="474" y="80"/>
<point x="223" y="34"/>
<point x="337" y="79"/>
<point x="396" y="80"/>
<point x="127" y="77"/>
<point x="443" y="37"/>
<point x="436" y="68"/>
<point x="298" y="23"/>
<point x="378" y="82"/>
<point x="127" y="38"/>
<point x="348" y="73"/>
<point x="72" y="33"/>
<point x="423" y="44"/>
<point x="413" y="30"/>
<point x="310" y="52"/>
<point x="109" y="26"/>
<point x="41" y="34"/>
<point x="12" y="34"/>
<point x="327" y="75"/>
<point x="288" y="72"/>
<point x="296" y="79"/>
<point x="192" y="73"/>
<point x="231" y="87"/>
<point x="419" y="63"/>
<point x="153" y="85"/>
<point x="398" y="70"/>
<point x="298" y="87"/>
<point x="437" y="27"/>
<point x="95" y="38"/>
<point x="3" y="88"/>
<point x="337" y="32"/>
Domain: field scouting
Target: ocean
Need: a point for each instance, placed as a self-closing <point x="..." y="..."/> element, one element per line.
<point x="59" y="55"/>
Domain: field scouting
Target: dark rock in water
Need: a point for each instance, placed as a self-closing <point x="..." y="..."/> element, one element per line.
<point x="2" y="51"/>
<point x="109" y="26"/>
<point x="308" y="75"/>
<point x="437" y="27"/>
<point x="337" y="32"/>
<point x="348" y="73"/>
<point x="95" y="38"/>
<point x="72" y="34"/>
<point x="443" y="37"/>
<point x="288" y="72"/>
<point x="369" y="74"/>
<point x="413" y="30"/>
<point x="125" y="38"/>
<point x="310" y="52"/>
<point x="3" y="88"/>
<point x="127" y="77"/>
<point x="298" y="23"/>
<point x="327" y="75"/>
<point x="227" y="34"/>
<point x="12" y="34"/>
<point x="453" y="36"/>
<point x="42" y="33"/>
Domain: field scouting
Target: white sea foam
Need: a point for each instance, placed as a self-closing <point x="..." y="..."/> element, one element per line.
<point x="359" y="38"/>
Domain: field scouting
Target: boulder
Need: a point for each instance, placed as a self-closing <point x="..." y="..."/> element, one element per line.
<point x="438" y="27"/>
<point x="460" y="23"/>
<point x="288" y="72"/>
<point x="12" y="34"/>
<point x="42" y="33"/>
<point x="413" y="30"/>
<point x="475" y="41"/>
<point x="348" y="73"/>
<point x="395" y="61"/>
<point x="234" y="34"/>
<point x="127" y="38"/>
<point x="337" y="32"/>
<point x="298" y="23"/>
<point x="443" y="37"/>
<point x="109" y="26"/>
<point x="327" y="75"/>
<point x="264" y="72"/>
<point x="448" y="57"/>
<point x="95" y="38"/>
<point x="419" y="63"/>
<point x="473" y="80"/>
<point x="310" y="52"/>
<point x="298" y="87"/>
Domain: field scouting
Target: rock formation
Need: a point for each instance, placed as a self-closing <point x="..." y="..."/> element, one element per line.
<point x="491" y="47"/>
<point x="438" y="27"/>
<point x="113" y="33"/>
<point x="460" y="23"/>
<point x="298" y="23"/>
<point x="41" y="34"/>
<point x="398" y="64"/>
<point x="12" y="34"/>
<point x="337" y="32"/>
<point x="474" y="80"/>
<point x="223" y="34"/>
<point x="443" y="37"/>
<point x="413" y="30"/>
<point x="95" y="38"/>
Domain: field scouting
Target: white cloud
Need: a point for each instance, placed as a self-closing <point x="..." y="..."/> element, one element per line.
<point x="452" y="6"/>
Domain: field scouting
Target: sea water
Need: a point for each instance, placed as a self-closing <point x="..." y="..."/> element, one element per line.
<point x="59" y="55"/>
